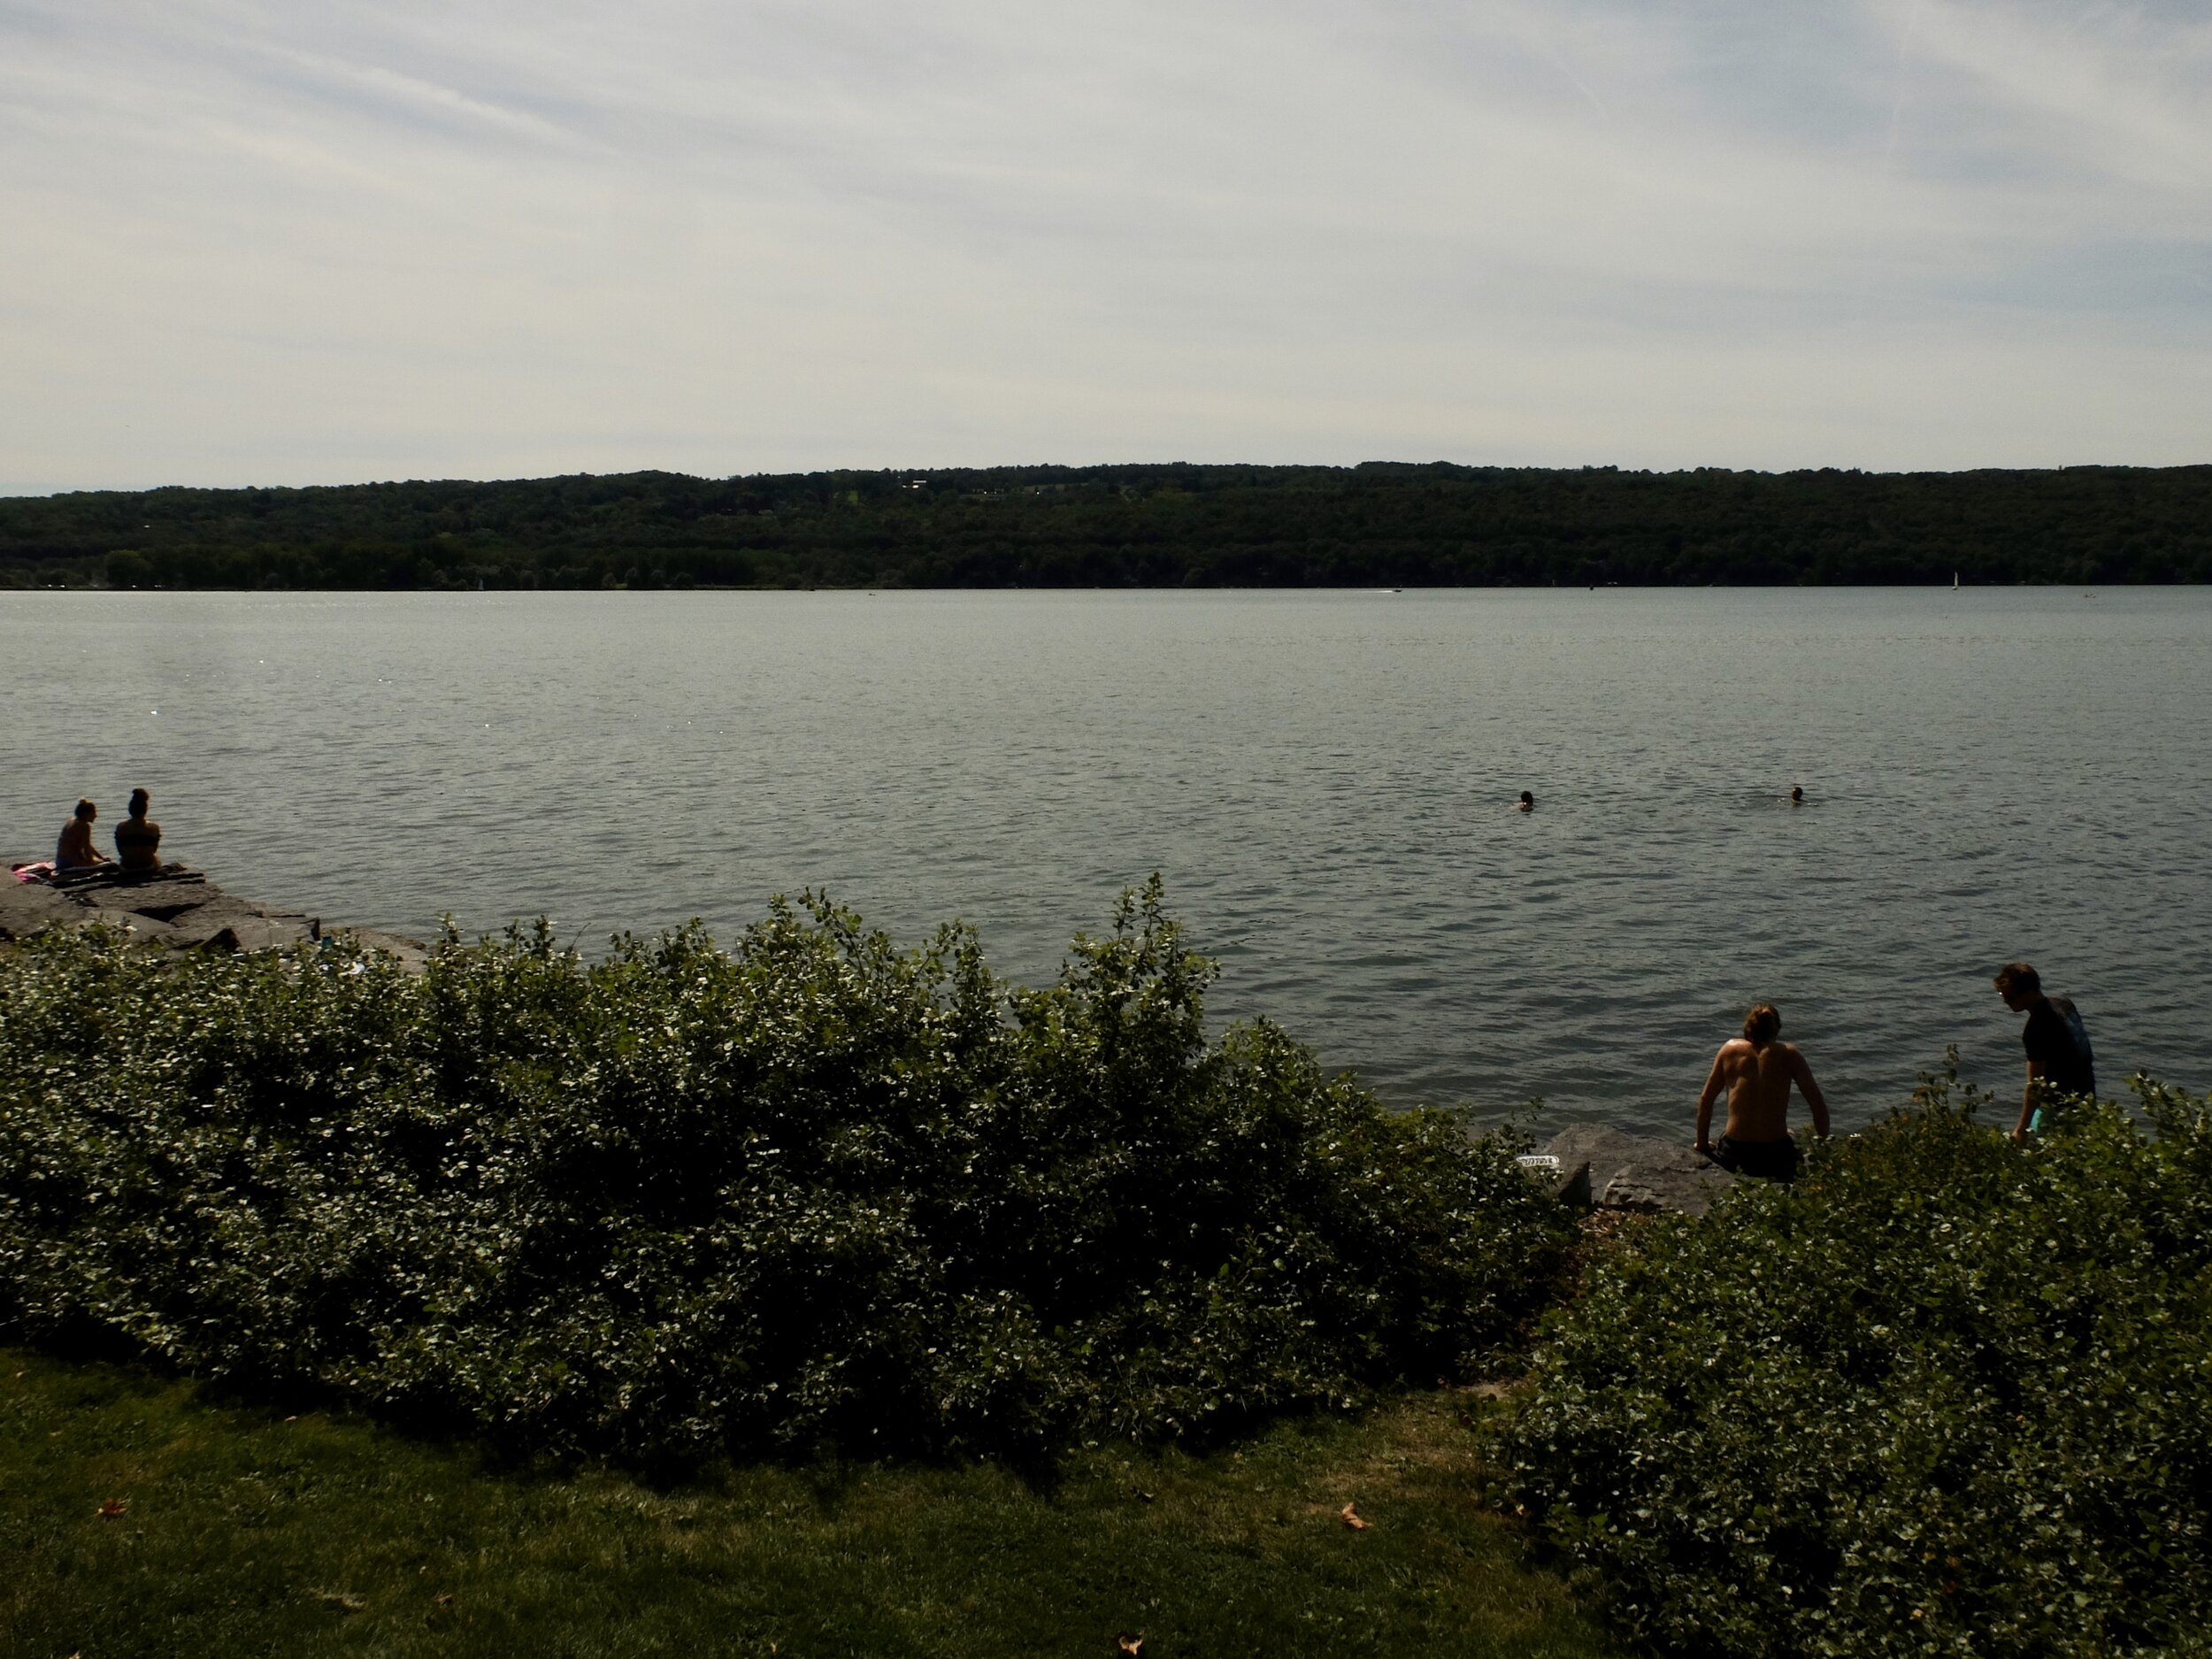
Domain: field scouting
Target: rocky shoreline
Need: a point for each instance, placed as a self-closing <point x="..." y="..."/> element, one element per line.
<point x="181" y="908"/>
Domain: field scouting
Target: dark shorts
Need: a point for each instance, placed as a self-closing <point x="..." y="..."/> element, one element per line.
<point x="1767" y="1160"/>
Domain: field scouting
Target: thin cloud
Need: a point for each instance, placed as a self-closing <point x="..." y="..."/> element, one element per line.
<point x="412" y="94"/>
<point x="2079" y="91"/>
<point x="281" y="244"/>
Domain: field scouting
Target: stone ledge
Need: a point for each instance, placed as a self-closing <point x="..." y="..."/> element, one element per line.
<point x="181" y="908"/>
<point x="1638" y="1173"/>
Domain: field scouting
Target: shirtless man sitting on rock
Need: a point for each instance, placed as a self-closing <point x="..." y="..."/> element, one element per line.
<point x="1758" y="1072"/>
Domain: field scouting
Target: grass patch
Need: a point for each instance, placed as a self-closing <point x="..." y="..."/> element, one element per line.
<point x="243" y="1531"/>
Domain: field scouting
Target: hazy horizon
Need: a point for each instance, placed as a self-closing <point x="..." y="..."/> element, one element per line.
<point x="354" y="483"/>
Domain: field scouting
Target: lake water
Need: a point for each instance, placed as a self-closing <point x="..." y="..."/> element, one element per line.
<point x="1325" y="779"/>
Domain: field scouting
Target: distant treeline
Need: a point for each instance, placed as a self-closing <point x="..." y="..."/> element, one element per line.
<point x="1055" y="527"/>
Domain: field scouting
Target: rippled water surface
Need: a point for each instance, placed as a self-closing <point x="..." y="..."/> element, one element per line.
<point x="1326" y="780"/>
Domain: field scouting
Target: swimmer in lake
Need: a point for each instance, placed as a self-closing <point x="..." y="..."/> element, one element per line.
<point x="1528" y="802"/>
<point x="1797" y="795"/>
<point x="1758" y="1072"/>
<point x="74" y="850"/>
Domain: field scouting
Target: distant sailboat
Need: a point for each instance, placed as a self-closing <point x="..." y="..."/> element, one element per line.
<point x="1955" y="581"/>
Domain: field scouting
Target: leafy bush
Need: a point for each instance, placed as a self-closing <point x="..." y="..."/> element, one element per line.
<point x="813" y="1190"/>
<point x="1948" y="1395"/>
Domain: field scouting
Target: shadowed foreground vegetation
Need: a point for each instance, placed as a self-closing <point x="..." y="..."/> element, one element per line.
<point x="1947" y="1395"/>
<point x="846" y="1299"/>
<point x="812" y="1192"/>
<point x="244" y="1531"/>
<point x="1120" y="526"/>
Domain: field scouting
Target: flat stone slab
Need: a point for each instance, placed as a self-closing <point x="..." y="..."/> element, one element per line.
<point x="237" y="931"/>
<point x="238" y="924"/>
<point x="164" y="900"/>
<point x="1638" y="1173"/>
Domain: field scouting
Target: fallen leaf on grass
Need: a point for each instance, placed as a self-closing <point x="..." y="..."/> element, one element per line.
<point x="112" y="1508"/>
<point x="1353" y="1519"/>
<point x="446" y="1600"/>
<point x="1129" y="1643"/>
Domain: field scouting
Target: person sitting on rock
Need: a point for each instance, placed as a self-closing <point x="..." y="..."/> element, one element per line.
<point x="1757" y="1073"/>
<point x="138" y="838"/>
<point x="74" y="850"/>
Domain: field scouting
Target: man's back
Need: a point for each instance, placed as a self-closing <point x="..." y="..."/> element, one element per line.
<point x="1758" y="1079"/>
<point x="1757" y="1070"/>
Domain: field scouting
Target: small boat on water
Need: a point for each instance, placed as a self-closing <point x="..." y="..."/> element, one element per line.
<point x="1955" y="581"/>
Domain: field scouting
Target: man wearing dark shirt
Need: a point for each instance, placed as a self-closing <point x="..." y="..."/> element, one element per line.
<point x="2059" y="1059"/>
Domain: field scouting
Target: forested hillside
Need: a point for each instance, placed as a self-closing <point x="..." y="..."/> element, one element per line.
<point x="1380" y="524"/>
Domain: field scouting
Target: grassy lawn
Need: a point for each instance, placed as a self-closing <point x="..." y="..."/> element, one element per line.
<point x="242" y="1533"/>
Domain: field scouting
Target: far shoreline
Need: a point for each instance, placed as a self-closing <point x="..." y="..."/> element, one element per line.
<point x="1375" y="525"/>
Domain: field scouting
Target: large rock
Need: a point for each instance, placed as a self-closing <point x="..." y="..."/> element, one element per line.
<point x="413" y="955"/>
<point x="227" y="924"/>
<point x="27" y="906"/>
<point x="1568" y="1183"/>
<point x="1636" y="1173"/>
<point x="150" y="929"/>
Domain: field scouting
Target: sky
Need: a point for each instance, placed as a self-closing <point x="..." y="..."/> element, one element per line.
<point x="246" y="243"/>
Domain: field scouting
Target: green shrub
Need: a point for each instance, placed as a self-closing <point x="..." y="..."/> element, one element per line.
<point x="1948" y="1395"/>
<point x="816" y="1190"/>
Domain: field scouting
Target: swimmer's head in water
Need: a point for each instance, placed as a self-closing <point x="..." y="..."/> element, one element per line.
<point x="139" y="800"/>
<point x="86" y="810"/>
<point x="1527" y="799"/>
<point x="1761" y="1024"/>
<point x="1797" y="792"/>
